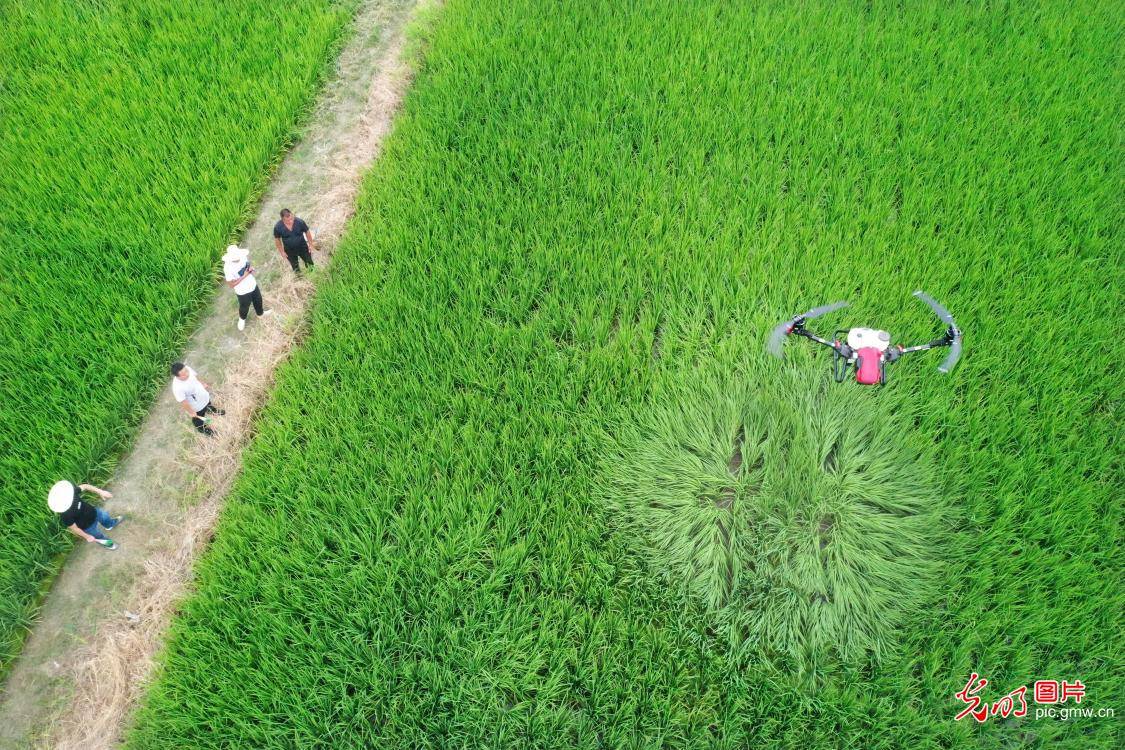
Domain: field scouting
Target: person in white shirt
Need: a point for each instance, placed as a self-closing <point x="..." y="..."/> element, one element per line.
<point x="194" y="396"/>
<point x="239" y="275"/>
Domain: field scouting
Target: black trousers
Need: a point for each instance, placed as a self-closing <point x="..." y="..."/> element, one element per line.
<point x="250" y="298"/>
<point x="197" y="420"/>
<point x="301" y="253"/>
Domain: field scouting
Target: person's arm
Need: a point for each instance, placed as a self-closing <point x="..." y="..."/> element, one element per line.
<point x="187" y="407"/>
<point x="309" y="237"/>
<point x="96" y="490"/>
<point x="280" y="249"/>
<point x="248" y="270"/>
<point x="73" y="529"/>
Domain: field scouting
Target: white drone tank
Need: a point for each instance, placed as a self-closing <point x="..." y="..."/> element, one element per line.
<point x="860" y="338"/>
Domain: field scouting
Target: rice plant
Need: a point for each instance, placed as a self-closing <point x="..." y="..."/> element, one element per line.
<point x="135" y="139"/>
<point x="808" y="514"/>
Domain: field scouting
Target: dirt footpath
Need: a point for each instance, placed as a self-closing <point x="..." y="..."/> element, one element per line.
<point x="84" y="665"/>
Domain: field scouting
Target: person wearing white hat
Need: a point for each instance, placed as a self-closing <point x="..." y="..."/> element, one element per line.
<point x="80" y="517"/>
<point x="239" y="275"/>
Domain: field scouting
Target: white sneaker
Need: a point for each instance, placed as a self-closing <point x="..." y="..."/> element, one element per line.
<point x="241" y="324"/>
<point x="267" y="312"/>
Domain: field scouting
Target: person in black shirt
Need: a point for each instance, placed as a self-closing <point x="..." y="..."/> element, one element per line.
<point x="80" y="517"/>
<point x="293" y="239"/>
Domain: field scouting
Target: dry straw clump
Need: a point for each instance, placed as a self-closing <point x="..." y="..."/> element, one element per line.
<point x="805" y="516"/>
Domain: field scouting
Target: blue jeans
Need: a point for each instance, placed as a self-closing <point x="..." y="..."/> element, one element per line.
<point x="104" y="520"/>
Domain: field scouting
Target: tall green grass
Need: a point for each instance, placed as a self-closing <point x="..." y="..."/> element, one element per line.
<point x="581" y="202"/>
<point x="808" y="518"/>
<point x="134" y="141"/>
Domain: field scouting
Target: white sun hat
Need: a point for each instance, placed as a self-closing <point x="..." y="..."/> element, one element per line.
<point x="235" y="254"/>
<point x="61" y="496"/>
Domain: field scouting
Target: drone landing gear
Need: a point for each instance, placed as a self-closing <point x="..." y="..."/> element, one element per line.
<point x="839" y="366"/>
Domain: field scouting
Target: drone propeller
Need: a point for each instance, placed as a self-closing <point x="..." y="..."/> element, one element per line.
<point x="784" y="328"/>
<point x="954" y="353"/>
<point x="954" y="332"/>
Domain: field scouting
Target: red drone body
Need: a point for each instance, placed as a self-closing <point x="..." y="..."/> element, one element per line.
<point x="869" y="366"/>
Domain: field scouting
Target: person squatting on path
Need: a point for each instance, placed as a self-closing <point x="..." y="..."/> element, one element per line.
<point x="80" y="517"/>
<point x="194" y="396"/>
<point x="293" y="239"/>
<point x="239" y="275"/>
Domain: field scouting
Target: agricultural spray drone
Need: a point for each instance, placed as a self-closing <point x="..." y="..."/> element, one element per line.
<point x="868" y="349"/>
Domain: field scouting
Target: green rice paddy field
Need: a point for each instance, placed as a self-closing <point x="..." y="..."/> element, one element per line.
<point x="135" y="138"/>
<point x="551" y="308"/>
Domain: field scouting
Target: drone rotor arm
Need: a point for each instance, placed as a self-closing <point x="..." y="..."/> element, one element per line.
<point x="796" y="325"/>
<point x="952" y="339"/>
<point x="943" y="341"/>
<point x="836" y="345"/>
